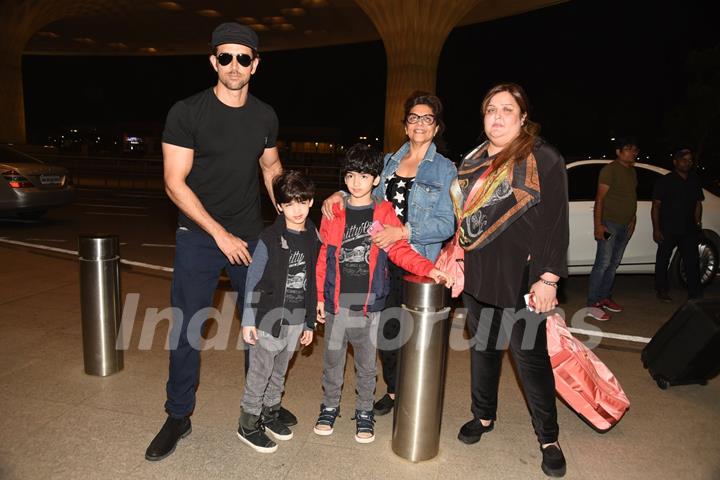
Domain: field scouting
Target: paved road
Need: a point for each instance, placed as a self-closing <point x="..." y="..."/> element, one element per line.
<point x="146" y="227"/>
<point x="145" y="224"/>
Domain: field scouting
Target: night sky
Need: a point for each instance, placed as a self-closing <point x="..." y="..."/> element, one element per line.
<point x="592" y="69"/>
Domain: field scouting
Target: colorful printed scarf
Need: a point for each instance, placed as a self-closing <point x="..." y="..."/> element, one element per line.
<point x="504" y="197"/>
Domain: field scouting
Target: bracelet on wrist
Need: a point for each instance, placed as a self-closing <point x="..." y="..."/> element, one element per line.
<point x="548" y="282"/>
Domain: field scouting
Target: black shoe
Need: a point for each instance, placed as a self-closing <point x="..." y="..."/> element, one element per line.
<point x="252" y="432"/>
<point x="384" y="405"/>
<point x="326" y="420"/>
<point x="164" y="442"/>
<point x="473" y="430"/>
<point x="553" y="461"/>
<point x="663" y="297"/>
<point x="286" y="417"/>
<point x="272" y="423"/>
<point x="364" y="426"/>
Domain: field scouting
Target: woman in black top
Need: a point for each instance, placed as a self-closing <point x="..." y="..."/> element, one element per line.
<point x="514" y="231"/>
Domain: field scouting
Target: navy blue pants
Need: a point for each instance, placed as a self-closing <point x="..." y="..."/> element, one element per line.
<point x="198" y="263"/>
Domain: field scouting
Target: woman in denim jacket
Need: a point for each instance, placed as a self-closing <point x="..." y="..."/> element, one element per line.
<point x="416" y="179"/>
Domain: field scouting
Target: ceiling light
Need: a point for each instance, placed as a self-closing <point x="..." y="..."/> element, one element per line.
<point x="208" y="13"/>
<point x="148" y="50"/>
<point x="259" y="27"/>
<point x="47" y="34"/>
<point x="117" y="45"/>
<point x="314" y="3"/>
<point x="283" y="27"/>
<point x="247" y="20"/>
<point x="293" y="12"/>
<point x="174" y="6"/>
<point x="274" y="20"/>
<point x="85" y="40"/>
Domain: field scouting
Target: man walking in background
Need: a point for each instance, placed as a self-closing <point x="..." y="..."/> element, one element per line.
<point x="676" y="218"/>
<point x="614" y="222"/>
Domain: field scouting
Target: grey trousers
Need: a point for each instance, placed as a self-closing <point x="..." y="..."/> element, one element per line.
<point x="361" y="332"/>
<point x="269" y="359"/>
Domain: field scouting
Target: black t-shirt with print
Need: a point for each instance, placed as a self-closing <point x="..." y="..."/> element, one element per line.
<point x="397" y="191"/>
<point x="296" y="282"/>
<point x="227" y="143"/>
<point x="355" y="257"/>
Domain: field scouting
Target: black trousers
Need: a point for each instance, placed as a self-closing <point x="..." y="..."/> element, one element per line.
<point x="390" y="328"/>
<point x="688" y="248"/>
<point x="485" y="324"/>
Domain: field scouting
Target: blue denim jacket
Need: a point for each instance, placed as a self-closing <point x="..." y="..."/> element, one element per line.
<point x="431" y="219"/>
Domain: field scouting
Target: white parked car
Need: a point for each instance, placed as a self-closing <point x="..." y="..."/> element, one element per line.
<point x="640" y="252"/>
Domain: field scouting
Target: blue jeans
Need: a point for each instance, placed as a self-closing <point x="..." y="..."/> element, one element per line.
<point x="198" y="263"/>
<point x="607" y="258"/>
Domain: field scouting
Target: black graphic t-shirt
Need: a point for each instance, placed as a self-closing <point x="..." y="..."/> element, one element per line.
<point x="296" y="282"/>
<point x="397" y="191"/>
<point x="355" y="257"/>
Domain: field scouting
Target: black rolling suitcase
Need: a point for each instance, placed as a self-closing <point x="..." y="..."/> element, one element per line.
<point x="686" y="349"/>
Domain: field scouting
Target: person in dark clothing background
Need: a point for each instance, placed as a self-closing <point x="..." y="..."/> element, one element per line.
<point x="676" y="219"/>
<point x="514" y="230"/>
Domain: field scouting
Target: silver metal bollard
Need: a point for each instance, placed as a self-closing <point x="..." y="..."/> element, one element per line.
<point x="100" y="303"/>
<point x="421" y="371"/>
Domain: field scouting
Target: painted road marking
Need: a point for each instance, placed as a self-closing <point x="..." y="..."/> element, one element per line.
<point x="75" y="253"/>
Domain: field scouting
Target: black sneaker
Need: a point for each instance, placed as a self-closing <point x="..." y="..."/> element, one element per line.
<point x="553" y="461"/>
<point x="272" y="423"/>
<point x="286" y="417"/>
<point x="364" y="426"/>
<point x="252" y="432"/>
<point x="473" y="430"/>
<point x="326" y="420"/>
<point x="384" y="405"/>
<point x="165" y="441"/>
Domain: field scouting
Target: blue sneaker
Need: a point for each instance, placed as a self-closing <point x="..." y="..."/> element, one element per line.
<point x="326" y="420"/>
<point x="364" y="426"/>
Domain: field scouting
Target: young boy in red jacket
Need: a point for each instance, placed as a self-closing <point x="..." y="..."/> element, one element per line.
<point x="353" y="282"/>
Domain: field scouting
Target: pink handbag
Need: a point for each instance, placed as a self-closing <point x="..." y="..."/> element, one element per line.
<point x="451" y="261"/>
<point x="584" y="382"/>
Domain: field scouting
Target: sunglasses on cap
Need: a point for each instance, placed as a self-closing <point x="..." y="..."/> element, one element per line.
<point x="243" y="59"/>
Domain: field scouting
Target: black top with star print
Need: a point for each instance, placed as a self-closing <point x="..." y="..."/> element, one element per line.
<point x="397" y="191"/>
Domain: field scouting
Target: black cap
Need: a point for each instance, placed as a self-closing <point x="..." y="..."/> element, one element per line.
<point x="232" y="32"/>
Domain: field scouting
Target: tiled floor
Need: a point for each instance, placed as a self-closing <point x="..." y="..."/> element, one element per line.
<point x="58" y="422"/>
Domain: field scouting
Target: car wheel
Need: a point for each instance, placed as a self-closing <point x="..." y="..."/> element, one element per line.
<point x="709" y="259"/>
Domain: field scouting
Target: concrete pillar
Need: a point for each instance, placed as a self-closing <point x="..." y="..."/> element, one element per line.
<point x="413" y="32"/>
<point x="13" y="37"/>
<point x="19" y="21"/>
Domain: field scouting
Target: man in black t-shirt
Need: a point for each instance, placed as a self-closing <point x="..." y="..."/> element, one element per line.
<point x="213" y="144"/>
<point x="676" y="216"/>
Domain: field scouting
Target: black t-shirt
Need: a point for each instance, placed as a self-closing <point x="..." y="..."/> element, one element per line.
<point x="397" y="191"/>
<point x="678" y="198"/>
<point x="355" y="256"/>
<point x="227" y="143"/>
<point x="296" y="282"/>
